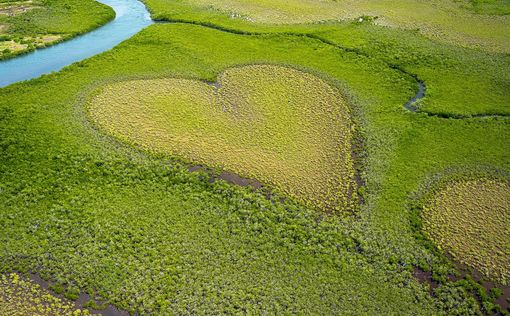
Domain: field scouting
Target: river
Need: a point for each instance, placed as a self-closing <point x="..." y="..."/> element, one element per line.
<point x="131" y="17"/>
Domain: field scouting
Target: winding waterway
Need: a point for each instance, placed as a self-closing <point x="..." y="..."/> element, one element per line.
<point x="131" y="17"/>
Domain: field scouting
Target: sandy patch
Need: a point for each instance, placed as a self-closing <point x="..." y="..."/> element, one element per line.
<point x="16" y="8"/>
<point x="12" y="46"/>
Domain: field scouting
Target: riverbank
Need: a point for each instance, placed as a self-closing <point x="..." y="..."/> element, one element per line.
<point x="131" y="17"/>
<point x="29" y="25"/>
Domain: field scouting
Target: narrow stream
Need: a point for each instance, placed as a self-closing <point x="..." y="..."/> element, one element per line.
<point x="411" y="104"/>
<point x="131" y="17"/>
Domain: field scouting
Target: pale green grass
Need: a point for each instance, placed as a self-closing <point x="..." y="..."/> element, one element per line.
<point x="279" y="125"/>
<point x="442" y="20"/>
<point x="471" y="221"/>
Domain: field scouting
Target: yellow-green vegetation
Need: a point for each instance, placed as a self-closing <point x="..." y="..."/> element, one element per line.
<point x="282" y="126"/>
<point x="471" y="221"/>
<point x="23" y="44"/>
<point x="443" y="20"/>
<point x="22" y="297"/>
<point x="27" y="25"/>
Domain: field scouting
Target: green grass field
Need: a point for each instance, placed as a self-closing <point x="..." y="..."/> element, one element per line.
<point x="27" y="25"/>
<point x="97" y="197"/>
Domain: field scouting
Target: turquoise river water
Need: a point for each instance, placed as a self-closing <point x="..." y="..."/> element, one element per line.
<point x="131" y="17"/>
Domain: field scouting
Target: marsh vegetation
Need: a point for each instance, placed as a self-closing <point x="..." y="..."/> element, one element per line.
<point x="97" y="196"/>
<point x="470" y="220"/>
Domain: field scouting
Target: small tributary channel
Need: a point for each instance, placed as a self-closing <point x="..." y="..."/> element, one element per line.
<point x="131" y="17"/>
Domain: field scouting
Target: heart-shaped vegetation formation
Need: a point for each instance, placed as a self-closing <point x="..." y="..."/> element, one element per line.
<point x="284" y="127"/>
<point x="471" y="221"/>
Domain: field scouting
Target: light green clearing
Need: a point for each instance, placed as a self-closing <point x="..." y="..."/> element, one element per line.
<point x="442" y="20"/>
<point x="279" y="125"/>
<point x="471" y="221"/>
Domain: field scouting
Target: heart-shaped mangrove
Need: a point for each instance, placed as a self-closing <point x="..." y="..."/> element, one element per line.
<point x="284" y="127"/>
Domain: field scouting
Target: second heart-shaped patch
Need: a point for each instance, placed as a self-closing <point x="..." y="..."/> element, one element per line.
<point x="284" y="127"/>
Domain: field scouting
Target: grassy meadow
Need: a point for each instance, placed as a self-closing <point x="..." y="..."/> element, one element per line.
<point x="27" y="25"/>
<point x="96" y="194"/>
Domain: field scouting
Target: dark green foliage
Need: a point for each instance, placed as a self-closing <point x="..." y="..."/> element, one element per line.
<point x="495" y="293"/>
<point x="501" y="7"/>
<point x="448" y="298"/>
<point x="92" y="304"/>
<point x="72" y="294"/>
<point x="57" y="288"/>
